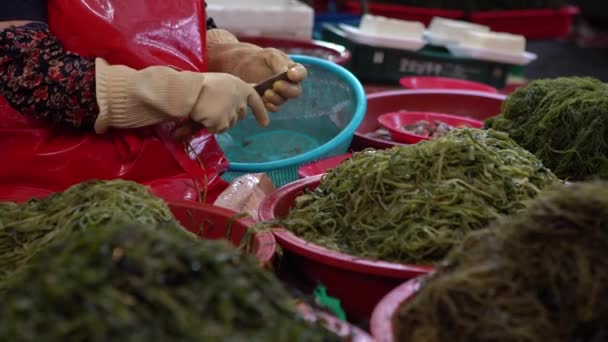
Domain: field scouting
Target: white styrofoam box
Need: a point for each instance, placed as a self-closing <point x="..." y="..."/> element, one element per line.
<point x="491" y="46"/>
<point x="269" y="18"/>
<point x="389" y="33"/>
<point x="450" y="31"/>
<point x="392" y="28"/>
<point x="379" y="40"/>
<point x="506" y="42"/>
<point x="481" y="54"/>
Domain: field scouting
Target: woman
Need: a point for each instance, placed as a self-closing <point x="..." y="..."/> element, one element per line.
<point x="42" y="80"/>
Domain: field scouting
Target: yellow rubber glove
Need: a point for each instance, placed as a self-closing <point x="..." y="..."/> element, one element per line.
<point x="129" y="98"/>
<point x="254" y="64"/>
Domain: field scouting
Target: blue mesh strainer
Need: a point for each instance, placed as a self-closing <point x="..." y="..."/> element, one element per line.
<point x="318" y="124"/>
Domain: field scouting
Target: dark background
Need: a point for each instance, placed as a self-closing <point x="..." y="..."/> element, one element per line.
<point x="567" y="59"/>
<point x="584" y="54"/>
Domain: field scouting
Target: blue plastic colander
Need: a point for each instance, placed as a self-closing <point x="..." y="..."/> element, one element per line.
<point x="319" y="124"/>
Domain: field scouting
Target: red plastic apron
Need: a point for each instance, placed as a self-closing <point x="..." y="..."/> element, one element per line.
<point x="37" y="157"/>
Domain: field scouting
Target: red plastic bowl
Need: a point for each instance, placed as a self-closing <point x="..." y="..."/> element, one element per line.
<point x="511" y="88"/>
<point x="472" y="104"/>
<point x="211" y="222"/>
<point x="359" y="283"/>
<point x="422" y="14"/>
<point x="395" y="123"/>
<point x="532" y="23"/>
<point x="21" y="194"/>
<point x="322" y="166"/>
<point x="381" y="323"/>
<point x="329" y="51"/>
<point x="422" y="82"/>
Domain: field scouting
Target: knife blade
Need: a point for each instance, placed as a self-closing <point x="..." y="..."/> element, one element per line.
<point x="261" y="87"/>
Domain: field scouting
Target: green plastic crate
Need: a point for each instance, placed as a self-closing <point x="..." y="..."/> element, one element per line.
<point x="382" y="65"/>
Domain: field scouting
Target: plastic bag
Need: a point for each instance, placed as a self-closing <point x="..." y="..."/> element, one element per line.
<point x="246" y="193"/>
<point x="137" y="33"/>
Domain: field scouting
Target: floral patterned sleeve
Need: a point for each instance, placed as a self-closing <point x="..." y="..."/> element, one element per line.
<point x="41" y="79"/>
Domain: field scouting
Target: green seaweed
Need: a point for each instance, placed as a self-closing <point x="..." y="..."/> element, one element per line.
<point x="26" y="229"/>
<point x="538" y="276"/>
<point x="414" y="203"/>
<point x="139" y="283"/>
<point x="564" y="122"/>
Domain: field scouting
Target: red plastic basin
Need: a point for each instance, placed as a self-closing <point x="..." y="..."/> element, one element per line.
<point x="511" y="88"/>
<point x="329" y="51"/>
<point x="21" y="194"/>
<point x="322" y="166"/>
<point x="469" y="104"/>
<point x="211" y="222"/>
<point x="533" y="23"/>
<point x="396" y="122"/>
<point x="381" y="323"/>
<point x="357" y="282"/>
<point x="423" y="82"/>
<point x="422" y="14"/>
<point x="204" y="220"/>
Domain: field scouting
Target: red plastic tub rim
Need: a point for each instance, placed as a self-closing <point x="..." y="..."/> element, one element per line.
<point x="540" y="23"/>
<point x="322" y="166"/>
<point x="380" y="96"/>
<point x="323" y="255"/>
<point x="381" y="324"/>
<point x="533" y="13"/>
<point x="430" y="82"/>
<point x="21" y="194"/>
<point x="395" y="121"/>
<point x="264" y="242"/>
<point x="402" y="11"/>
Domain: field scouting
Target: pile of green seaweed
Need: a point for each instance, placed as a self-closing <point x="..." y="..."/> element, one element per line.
<point x="414" y="203"/>
<point x="564" y="122"/>
<point x="106" y="260"/>
<point x="26" y="229"/>
<point x="140" y="283"/>
<point x="539" y="276"/>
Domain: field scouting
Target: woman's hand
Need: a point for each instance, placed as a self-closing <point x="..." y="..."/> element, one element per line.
<point x="130" y="98"/>
<point x="258" y="65"/>
<point x="223" y="102"/>
<point x="253" y="64"/>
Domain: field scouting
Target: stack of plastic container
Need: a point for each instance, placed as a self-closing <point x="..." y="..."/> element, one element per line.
<point x="385" y="50"/>
<point x="268" y="18"/>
